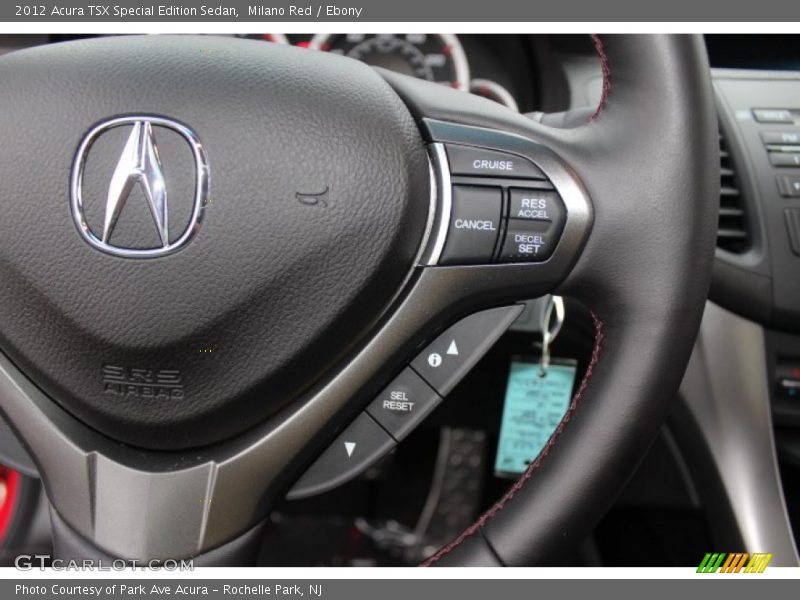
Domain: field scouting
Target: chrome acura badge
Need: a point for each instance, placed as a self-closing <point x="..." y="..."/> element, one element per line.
<point x="139" y="165"/>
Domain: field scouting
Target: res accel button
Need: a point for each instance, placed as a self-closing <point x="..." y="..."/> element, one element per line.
<point x="468" y="160"/>
<point x="535" y="205"/>
<point x="403" y="404"/>
<point x="474" y="223"/>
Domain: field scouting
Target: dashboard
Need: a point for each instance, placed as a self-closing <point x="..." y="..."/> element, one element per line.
<point x="468" y="63"/>
<point x="498" y="67"/>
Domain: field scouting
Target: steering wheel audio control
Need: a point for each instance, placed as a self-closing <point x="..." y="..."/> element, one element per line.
<point x="361" y="444"/>
<point x="406" y="401"/>
<point x="403" y="404"/>
<point x="502" y="208"/>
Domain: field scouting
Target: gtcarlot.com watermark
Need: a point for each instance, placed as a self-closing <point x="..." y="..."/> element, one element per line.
<point x="30" y="562"/>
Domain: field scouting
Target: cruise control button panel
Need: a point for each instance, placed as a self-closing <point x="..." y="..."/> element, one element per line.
<point x="502" y="209"/>
<point x="404" y="403"/>
<point x="356" y="448"/>
<point x="474" y="225"/>
<point x="451" y="355"/>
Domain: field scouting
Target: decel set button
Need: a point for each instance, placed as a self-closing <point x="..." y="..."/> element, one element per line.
<point x="528" y="242"/>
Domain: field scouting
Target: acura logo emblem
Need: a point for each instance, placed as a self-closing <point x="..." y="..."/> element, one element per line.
<point x="139" y="165"/>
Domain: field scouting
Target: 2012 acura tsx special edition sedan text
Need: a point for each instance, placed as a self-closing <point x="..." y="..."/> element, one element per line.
<point x="400" y="299"/>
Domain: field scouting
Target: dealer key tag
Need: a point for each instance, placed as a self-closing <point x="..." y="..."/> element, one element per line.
<point x="537" y="397"/>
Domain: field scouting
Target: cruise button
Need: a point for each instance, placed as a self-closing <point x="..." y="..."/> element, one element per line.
<point x="474" y="223"/>
<point x="403" y="404"/>
<point x="468" y="160"/>
<point x="356" y="448"/>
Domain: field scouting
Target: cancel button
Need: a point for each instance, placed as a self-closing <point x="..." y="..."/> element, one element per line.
<point x="474" y="223"/>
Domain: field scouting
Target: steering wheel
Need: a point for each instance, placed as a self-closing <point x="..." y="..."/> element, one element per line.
<point x="218" y="253"/>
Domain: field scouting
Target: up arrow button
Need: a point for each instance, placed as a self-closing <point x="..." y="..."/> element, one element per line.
<point x="463" y="345"/>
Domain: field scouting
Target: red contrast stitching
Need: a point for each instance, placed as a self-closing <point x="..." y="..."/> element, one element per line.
<point x="488" y="515"/>
<point x="605" y="67"/>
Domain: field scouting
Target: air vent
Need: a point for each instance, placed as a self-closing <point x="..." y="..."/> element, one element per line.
<point x="732" y="234"/>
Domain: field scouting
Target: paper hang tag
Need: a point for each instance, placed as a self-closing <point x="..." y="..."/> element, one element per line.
<point x="534" y="406"/>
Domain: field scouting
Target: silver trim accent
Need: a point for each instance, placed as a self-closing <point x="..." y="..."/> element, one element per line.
<point x="725" y="388"/>
<point x="444" y="202"/>
<point x="433" y="197"/>
<point x="139" y="163"/>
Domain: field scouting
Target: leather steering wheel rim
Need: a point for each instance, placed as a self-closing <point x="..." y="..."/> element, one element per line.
<point x="644" y="274"/>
